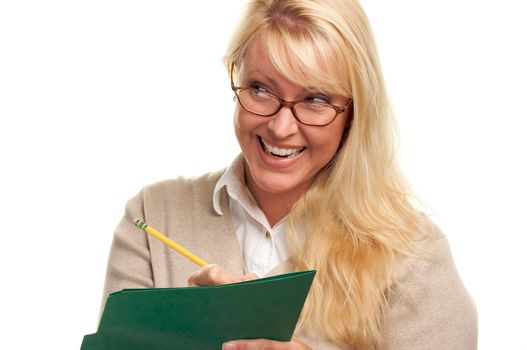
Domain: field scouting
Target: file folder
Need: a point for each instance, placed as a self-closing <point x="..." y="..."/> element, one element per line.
<point x="201" y="317"/>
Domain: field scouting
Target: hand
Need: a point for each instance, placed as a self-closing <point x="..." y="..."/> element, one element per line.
<point x="264" y="344"/>
<point x="215" y="275"/>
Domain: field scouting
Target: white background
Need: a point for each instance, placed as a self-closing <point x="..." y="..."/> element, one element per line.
<point x="99" y="98"/>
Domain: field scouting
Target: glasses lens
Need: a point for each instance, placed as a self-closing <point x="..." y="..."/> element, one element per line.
<point x="265" y="104"/>
<point x="258" y="102"/>
<point x="314" y="113"/>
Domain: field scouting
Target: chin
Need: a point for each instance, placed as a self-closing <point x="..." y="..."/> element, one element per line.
<point x="278" y="184"/>
<point x="275" y="188"/>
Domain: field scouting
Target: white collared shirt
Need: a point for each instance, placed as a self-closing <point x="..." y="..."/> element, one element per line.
<point x="263" y="247"/>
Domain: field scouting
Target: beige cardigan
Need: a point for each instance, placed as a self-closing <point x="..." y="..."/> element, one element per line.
<point x="436" y="312"/>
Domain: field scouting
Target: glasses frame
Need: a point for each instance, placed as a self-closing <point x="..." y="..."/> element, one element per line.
<point x="290" y="104"/>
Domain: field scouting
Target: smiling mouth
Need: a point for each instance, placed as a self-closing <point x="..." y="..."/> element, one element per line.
<point x="286" y="153"/>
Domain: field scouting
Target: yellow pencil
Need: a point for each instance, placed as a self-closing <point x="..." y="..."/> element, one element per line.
<point x="170" y="243"/>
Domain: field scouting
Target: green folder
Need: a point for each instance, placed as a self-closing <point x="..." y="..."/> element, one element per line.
<point x="201" y="317"/>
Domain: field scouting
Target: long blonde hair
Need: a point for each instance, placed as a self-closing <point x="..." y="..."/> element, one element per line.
<point x="355" y="222"/>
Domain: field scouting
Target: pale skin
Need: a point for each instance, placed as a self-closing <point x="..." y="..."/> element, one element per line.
<point x="276" y="183"/>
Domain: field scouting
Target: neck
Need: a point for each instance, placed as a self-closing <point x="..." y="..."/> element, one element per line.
<point x="275" y="206"/>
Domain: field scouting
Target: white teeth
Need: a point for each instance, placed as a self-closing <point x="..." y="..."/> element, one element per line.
<point x="282" y="152"/>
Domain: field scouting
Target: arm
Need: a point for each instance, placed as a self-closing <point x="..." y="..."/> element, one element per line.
<point x="129" y="264"/>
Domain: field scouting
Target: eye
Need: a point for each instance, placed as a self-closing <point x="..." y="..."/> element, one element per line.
<point x="260" y="91"/>
<point x="258" y="87"/>
<point x="318" y="99"/>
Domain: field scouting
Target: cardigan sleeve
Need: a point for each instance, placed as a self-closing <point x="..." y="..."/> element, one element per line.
<point x="432" y="308"/>
<point x="129" y="263"/>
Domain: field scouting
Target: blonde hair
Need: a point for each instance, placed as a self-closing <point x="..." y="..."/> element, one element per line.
<point x="355" y="222"/>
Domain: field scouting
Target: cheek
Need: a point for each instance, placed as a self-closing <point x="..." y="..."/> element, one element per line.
<point x="238" y="123"/>
<point x="236" y="119"/>
<point x="243" y="128"/>
<point x="245" y="124"/>
<point x="327" y="143"/>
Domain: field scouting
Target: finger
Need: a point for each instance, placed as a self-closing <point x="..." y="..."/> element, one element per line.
<point x="264" y="344"/>
<point x="257" y="344"/>
<point x="211" y="275"/>
<point x="250" y="277"/>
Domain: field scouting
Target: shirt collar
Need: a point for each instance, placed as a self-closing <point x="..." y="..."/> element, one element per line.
<point x="233" y="180"/>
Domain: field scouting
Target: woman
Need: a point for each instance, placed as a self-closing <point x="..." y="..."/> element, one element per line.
<point x="316" y="187"/>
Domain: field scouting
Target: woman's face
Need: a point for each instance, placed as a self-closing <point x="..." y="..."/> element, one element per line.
<point x="304" y="149"/>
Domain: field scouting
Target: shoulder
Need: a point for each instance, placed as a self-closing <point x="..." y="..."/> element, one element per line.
<point x="431" y="251"/>
<point x="175" y="193"/>
<point x="203" y="183"/>
<point x="431" y="308"/>
<point x="432" y="261"/>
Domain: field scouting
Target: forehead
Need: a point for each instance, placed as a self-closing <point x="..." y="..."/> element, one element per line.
<point x="304" y="62"/>
<point x="258" y="59"/>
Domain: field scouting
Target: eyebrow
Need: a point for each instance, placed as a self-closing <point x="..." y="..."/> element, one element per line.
<point x="309" y="89"/>
<point x="271" y="80"/>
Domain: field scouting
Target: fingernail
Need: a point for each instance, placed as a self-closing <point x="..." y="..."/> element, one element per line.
<point x="228" y="346"/>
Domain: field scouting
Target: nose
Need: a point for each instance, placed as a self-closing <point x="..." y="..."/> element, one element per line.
<point x="283" y="123"/>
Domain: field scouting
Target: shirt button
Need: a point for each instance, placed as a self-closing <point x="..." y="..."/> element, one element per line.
<point x="267" y="234"/>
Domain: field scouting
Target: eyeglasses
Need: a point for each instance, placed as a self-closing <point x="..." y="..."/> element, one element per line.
<point x="266" y="104"/>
